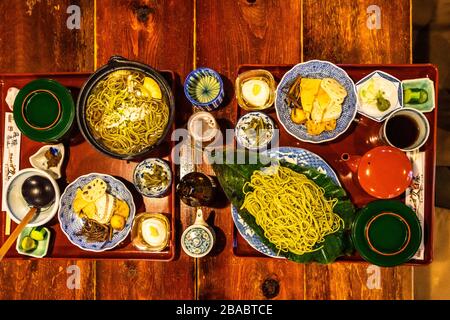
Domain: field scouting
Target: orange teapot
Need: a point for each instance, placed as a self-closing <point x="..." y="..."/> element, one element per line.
<point x="383" y="172"/>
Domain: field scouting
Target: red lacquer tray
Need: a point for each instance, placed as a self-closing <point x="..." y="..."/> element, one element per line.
<point x="81" y="159"/>
<point x="357" y="140"/>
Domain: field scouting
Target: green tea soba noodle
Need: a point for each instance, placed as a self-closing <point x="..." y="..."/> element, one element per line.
<point x="126" y="112"/>
<point x="291" y="209"/>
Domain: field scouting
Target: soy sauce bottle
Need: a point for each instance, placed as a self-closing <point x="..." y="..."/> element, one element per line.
<point x="196" y="189"/>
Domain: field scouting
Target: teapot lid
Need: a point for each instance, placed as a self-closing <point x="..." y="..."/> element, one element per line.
<point x="385" y="172"/>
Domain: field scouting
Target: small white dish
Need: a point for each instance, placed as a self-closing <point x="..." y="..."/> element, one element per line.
<point x="396" y="99"/>
<point x="39" y="161"/>
<point x="11" y="97"/>
<point x="16" y="206"/>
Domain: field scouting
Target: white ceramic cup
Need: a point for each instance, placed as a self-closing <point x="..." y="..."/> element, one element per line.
<point x="17" y="207"/>
<point x="422" y="124"/>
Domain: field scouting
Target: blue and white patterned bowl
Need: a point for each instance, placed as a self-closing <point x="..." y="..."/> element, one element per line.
<point x="297" y="156"/>
<point x="395" y="82"/>
<point x="316" y="69"/>
<point x="71" y="224"/>
<point x="248" y="141"/>
<point x="191" y="83"/>
<point x="148" y="165"/>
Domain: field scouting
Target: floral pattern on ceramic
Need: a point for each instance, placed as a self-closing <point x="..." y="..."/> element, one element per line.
<point x="316" y="69"/>
<point x="249" y="142"/>
<point x="197" y="241"/>
<point x="194" y="80"/>
<point x="71" y="223"/>
<point x="148" y="165"/>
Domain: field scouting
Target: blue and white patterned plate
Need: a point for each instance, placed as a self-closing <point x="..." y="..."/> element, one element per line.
<point x="297" y="156"/>
<point x="71" y="224"/>
<point x="316" y="69"/>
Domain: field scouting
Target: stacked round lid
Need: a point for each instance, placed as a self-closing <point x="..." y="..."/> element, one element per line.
<point x="387" y="233"/>
<point x="44" y="110"/>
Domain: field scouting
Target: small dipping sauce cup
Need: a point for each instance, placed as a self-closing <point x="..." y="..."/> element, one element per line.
<point x="406" y="129"/>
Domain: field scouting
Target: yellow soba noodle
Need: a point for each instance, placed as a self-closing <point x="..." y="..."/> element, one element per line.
<point x="123" y="115"/>
<point x="291" y="209"/>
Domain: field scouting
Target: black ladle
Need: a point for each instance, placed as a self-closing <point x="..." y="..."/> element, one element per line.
<point x="39" y="193"/>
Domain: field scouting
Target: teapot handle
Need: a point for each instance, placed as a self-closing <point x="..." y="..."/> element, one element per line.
<point x="199" y="218"/>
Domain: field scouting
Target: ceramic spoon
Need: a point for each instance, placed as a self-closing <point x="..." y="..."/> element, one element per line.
<point x="38" y="192"/>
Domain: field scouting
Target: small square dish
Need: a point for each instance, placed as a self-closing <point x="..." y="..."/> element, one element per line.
<point x="419" y="94"/>
<point x="379" y="93"/>
<point x="38" y="248"/>
<point x="255" y="90"/>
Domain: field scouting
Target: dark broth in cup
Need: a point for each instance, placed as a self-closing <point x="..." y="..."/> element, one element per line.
<point x="402" y="131"/>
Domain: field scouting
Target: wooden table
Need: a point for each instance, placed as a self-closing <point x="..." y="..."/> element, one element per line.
<point x="180" y="35"/>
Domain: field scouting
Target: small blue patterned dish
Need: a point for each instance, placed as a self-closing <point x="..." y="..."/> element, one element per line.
<point x="204" y="89"/>
<point x="198" y="239"/>
<point x="390" y="84"/>
<point x="253" y="139"/>
<point x="316" y="69"/>
<point x="71" y="223"/>
<point x="297" y="156"/>
<point x="149" y="167"/>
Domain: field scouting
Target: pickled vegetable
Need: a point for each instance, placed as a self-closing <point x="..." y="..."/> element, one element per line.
<point x="28" y="244"/>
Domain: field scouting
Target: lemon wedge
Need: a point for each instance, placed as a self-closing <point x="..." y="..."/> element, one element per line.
<point x="152" y="88"/>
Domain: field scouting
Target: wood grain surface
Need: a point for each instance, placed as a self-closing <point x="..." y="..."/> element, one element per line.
<point x="149" y="32"/>
<point x="246" y="33"/>
<point x="339" y="31"/>
<point x="34" y="38"/>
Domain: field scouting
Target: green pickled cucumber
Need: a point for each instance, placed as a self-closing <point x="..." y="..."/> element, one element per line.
<point x="28" y="244"/>
<point x="423" y="96"/>
<point x="415" y="96"/>
<point x="38" y="233"/>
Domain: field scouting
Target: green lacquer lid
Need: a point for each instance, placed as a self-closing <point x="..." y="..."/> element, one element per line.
<point x="387" y="233"/>
<point x="44" y="110"/>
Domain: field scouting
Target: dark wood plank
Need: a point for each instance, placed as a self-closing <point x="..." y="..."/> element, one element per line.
<point x="159" y="34"/>
<point x="337" y="31"/>
<point x="45" y="279"/>
<point x="230" y="33"/>
<point x="34" y="38"/>
<point x="358" y="281"/>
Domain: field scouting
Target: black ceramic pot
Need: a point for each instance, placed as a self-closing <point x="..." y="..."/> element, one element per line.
<point x="119" y="63"/>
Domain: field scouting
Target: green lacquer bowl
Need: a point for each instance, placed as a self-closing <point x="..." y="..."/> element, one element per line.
<point x="386" y="233"/>
<point x="44" y="110"/>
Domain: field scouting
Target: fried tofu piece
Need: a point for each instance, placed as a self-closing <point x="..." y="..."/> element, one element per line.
<point x="308" y="90"/>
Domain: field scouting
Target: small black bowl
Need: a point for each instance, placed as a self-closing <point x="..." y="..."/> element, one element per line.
<point x="119" y="63"/>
